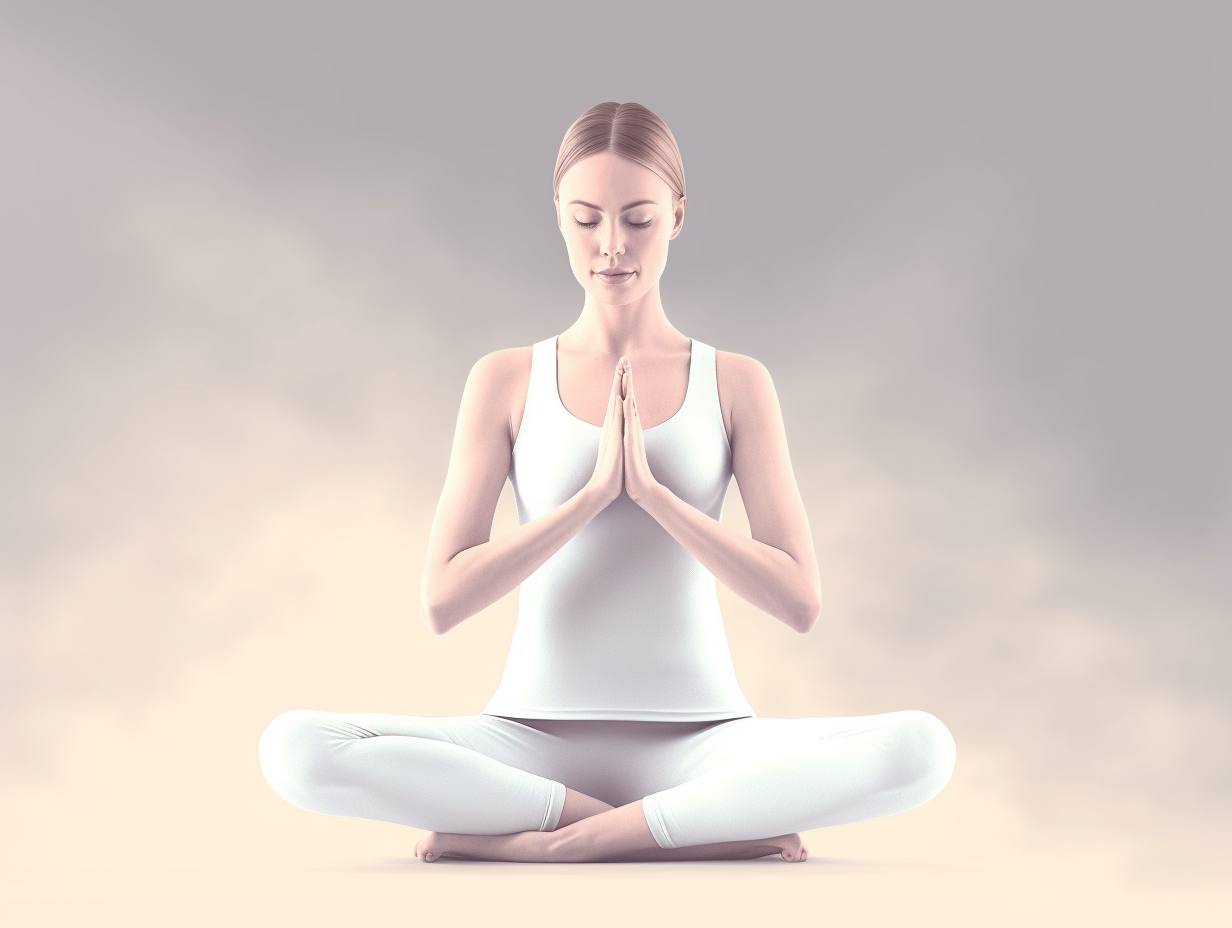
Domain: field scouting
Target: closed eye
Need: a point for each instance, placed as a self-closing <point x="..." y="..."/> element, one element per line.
<point x="636" y="225"/>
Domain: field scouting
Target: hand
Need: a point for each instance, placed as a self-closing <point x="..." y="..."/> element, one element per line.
<point x="608" y="478"/>
<point x="639" y="481"/>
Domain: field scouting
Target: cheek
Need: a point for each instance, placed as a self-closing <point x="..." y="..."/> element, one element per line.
<point x="579" y="258"/>
<point x="656" y="250"/>
<point x="575" y="247"/>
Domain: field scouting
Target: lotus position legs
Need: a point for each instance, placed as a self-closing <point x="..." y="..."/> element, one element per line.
<point x="492" y="788"/>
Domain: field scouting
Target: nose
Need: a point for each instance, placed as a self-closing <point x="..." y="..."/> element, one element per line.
<point x="612" y="243"/>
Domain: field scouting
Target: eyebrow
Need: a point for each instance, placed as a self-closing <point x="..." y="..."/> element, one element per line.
<point x="600" y="209"/>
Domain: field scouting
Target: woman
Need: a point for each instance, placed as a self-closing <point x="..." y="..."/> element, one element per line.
<point x="618" y="731"/>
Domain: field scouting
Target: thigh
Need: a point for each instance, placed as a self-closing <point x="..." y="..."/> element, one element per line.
<point x="505" y="740"/>
<point x="693" y="753"/>
<point x="616" y="761"/>
<point x="468" y="774"/>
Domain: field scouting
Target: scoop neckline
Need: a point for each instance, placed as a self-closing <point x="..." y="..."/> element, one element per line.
<point x="688" y="390"/>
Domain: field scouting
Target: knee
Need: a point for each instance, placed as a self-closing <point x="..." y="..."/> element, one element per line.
<point x="927" y="752"/>
<point x="292" y="752"/>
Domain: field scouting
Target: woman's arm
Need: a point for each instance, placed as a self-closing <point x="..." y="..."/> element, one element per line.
<point x="775" y="569"/>
<point x="465" y="570"/>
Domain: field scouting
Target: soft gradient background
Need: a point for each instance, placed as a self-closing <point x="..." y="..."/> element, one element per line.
<point x="251" y="250"/>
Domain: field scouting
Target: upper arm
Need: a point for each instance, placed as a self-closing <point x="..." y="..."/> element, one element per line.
<point x="761" y="463"/>
<point x="478" y="461"/>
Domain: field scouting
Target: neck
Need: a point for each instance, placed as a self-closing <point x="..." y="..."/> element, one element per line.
<point x="636" y="328"/>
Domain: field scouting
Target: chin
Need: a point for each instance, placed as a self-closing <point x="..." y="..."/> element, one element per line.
<point x="610" y="298"/>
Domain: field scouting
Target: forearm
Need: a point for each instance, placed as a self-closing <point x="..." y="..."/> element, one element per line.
<point x="476" y="577"/>
<point x="769" y="578"/>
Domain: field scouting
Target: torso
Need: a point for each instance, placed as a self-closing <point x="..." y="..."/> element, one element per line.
<point x="622" y="622"/>
<point x="585" y="382"/>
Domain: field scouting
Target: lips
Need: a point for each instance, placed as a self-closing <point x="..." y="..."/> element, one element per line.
<point x="614" y="275"/>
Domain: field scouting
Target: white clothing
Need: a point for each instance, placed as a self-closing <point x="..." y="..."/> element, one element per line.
<point x="622" y="622"/>
<point x="619" y="682"/>
<point x="699" y="782"/>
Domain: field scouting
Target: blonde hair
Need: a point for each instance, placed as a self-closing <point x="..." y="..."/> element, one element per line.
<point x="631" y="131"/>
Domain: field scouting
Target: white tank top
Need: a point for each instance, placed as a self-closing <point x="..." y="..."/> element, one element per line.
<point x="622" y="622"/>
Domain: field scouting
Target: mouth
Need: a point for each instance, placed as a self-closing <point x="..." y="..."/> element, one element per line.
<point x="615" y="275"/>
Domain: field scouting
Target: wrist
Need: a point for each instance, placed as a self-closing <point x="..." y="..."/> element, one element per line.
<point x="591" y="500"/>
<point x="651" y="497"/>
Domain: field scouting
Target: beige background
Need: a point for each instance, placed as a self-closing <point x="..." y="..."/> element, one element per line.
<point x="249" y="253"/>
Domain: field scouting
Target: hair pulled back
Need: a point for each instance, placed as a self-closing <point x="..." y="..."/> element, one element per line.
<point x="631" y="131"/>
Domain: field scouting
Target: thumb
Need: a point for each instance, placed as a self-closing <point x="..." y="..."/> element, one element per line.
<point x="614" y="400"/>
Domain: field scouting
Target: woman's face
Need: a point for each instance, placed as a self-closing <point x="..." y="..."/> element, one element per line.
<point x="617" y="218"/>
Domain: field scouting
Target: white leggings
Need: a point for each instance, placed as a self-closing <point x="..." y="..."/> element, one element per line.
<point x="699" y="782"/>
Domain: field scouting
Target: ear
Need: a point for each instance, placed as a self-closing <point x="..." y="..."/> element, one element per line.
<point x="556" y="200"/>
<point x="678" y="219"/>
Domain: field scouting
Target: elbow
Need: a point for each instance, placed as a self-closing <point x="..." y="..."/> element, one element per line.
<point x="435" y="625"/>
<point x="808" y="614"/>
<point x="434" y="616"/>
<point x="435" y="605"/>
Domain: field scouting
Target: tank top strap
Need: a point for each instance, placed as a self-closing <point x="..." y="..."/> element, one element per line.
<point x="542" y="379"/>
<point x="705" y="369"/>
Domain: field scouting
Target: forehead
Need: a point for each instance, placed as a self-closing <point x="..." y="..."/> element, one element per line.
<point x="609" y="180"/>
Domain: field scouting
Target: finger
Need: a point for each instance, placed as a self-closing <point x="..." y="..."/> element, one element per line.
<point x="614" y="398"/>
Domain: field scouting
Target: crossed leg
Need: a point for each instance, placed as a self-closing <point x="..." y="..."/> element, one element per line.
<point x="772" y="775"/>
<point x="736" y="782"/>
<point x="590" y="831"/>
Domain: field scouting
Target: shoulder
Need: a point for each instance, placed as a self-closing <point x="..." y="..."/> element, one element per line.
<point x="746" y="393"/>
<point x="499" y="371"/>
<point x="496" y="387"/>
<point x="742" y="380"/>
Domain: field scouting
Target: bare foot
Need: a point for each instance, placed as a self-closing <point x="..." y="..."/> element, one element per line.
<point x="430" y="848"/>
<point x="535" y="847"/>
<point x="791" y="847"/>
<point x="530" y="846"/>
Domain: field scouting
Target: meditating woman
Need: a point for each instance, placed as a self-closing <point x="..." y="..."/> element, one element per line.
<point x="618" y="731"/>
